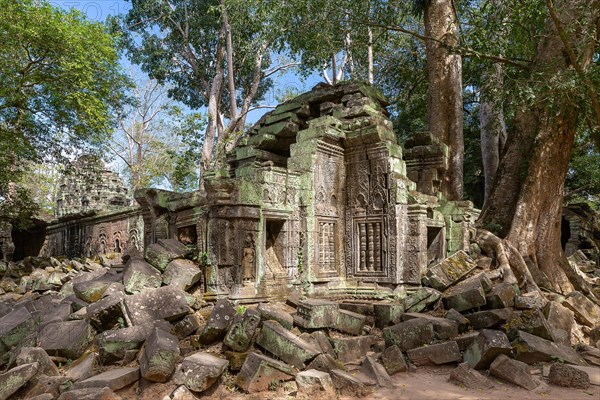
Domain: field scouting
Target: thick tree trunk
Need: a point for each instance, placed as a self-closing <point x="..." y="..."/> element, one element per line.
<point x="445" y="106"/>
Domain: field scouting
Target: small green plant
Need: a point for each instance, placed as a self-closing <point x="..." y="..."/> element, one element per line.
<point x="494" y="228"/>
<point x="241" y="309"/>
<point x="121" y="322"/>
<point x="273" y="385"/>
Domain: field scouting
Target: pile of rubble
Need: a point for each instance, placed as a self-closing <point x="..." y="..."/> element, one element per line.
<point x="84" y="330"/>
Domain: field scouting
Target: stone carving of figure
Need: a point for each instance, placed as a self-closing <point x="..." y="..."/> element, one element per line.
<point x="248" y="260"/>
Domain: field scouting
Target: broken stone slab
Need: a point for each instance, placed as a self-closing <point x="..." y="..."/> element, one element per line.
<point x="113" y="379"/>
<point x="218" y="323"/>
<point x="43" y="384"/>
<point x="466" y="295"/>
<point x="463" y="323"/>
<point x="200" y="371"/>
<point x="449" y="271"/>
<point x="285" y="345"/>
<point x="107" y="312"/>
<point x="409" y="334"/>
<point x="532" y="349"/>
<point x="240" y="335"/>
<point x="92" y="290"/>
<point x="568" y="376"/>
<point x="501" y="296"/>
<point x="443" y="328"/>
<point x="466" y="339"/>
<point x="236" y="360"/>
<point x="268" y="312"/>
<point x="435" y="354"/>
<point x="375" y="372"/>
<point x="30" y="355"/>
<point x="393" y="360"/>
<point x="314" y="379"/>
<point x="530" y="321"/>
<point x="529" y="301"/>
<point x="16" y="326"/>
<point x="590" y="354"/>
<point x="321" y="340"/>
<point x="592" y="372"/>
<point x="347" y="384"/>
<point x="465" y="376"/>
<point x="488" y="345"/>
<point x="45" y="396"/>
<point x="160" y="254"/>
<point x="316" y="313"/>
<point x="158" y="360"/>
<point x="83" y="368"/>
<point x="114" y="344"/>
<point x="167" y="303"/>
<point x="15" y="378"/>
<point x="187" y="326"/>
<point x="259" y="371"/>
<point x="349" y="322"/>
<point x="387" y="314"/>
<point x="512" y="371"/>
<point x="489" y="319"/>
<point x="350" y="349"/>
<point x="67" y="339"/>
<point x="560" y="319"/>
<point x="138" y="275"/>
<point x="419" y="300"/>
<point x="594" y="335"/>
<point x="90" y="394"/>
<point x="325" y="362"/>
<point x="182" y="274"/>
<point x="586" y="312"/>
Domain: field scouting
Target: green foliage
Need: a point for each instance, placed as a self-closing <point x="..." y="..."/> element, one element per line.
<point x="241" y="310"/>
<point x="583" y="178"/>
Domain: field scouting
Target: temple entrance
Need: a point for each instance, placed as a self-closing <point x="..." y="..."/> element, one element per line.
<point x="274" y="247"/>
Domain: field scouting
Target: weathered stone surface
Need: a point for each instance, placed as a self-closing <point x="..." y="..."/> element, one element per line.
<point x="15" y="378"/>
<point x="312" y="378"/>
<point x="501" y="296"/>
<point x="43" y="384"/>
<point x="466" y="295"/>
<point x="240" y="335"/>
<point x="235" y="359"/>
<point x="167" y="303"/>
<point x="488" y="319"/>
<point x="159" y="358"/>
<point x="529" y="301"/>
<point x="352" y="348"/>
<point x="138" y="276"/>
<point x="187" y="326"/>
<point x="182" y="274"/>
<point x="316" y="313"/>
<point x="259" y="371"/>
<point x="162" y="253"/>
<point x="449" y="271"/>
<point x="530" y="321"/>
<point x="464" y="375"/>
<point x="200" y="371"/>
<point x="67" y="339"/>
<point x="218" y="323"/>
<point x="114" y="344"/>
<point x="30" y="355"/>
<point x="324" y="362"/>
<point x="92" y="290"/>
<point x="347" y="384"/>
<point x="532" y="349"/>
<point x="512" y="371"/>
<point x="560" y="319"/>
<point x="113" y="379"/>
<point x="443" y="328"/>
<point x="90" y="394"/>
<point x="16" y="326"/>
<point x="285" y="345"/>
<point x="435" y="354"/>
<point x="567" y="376"/>
<point x="421" y="299"/>
<point x="375" y="372"/>
<point x="268" y="311"/>
<point x="45" y="396"/>
<point x="466" y="339"/>
<point x="461" y="320"/>
<point x="594" y="334"/>
<point x="181" y="393"/>
<point x="486" y="347"/>
<point x="409" y="334"/>
<point x="586" y="312"/>
<point x="393" y="360"/>
<point x="107" y="312"/>
<point x="83" y="367"/>
<point x="387" y="314"/>
<point x="349" y="322"/>
<point x="321" y="340"/>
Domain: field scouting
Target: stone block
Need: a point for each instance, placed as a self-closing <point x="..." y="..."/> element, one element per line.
<point x="387" y="314"/>
<point x="67" y="339"/>
<point x="512" y="371"/>
<point x="393" y="360"/>
<point x="560" y="319"/>
<point x="349" y="322"/>
<point x="321" y="341"/>
<point x="466" y="295"/>
<point x="16" y="326"/>
<point x="449" y="271"/>
<point x="84" y="367"/>
<point x="465" y="340"/>
<point x="138" y="276"/>
<point x="30" y="355"/>
<point x="463" y="323"/>
<point x="285" y="345"/>
<point x="218" y="323"/>
<point x="43" y="384"/>
<point x="314" y="379"/>
<point x="92" y="290"/>
<point x="489" y="319"/>
<point x="157" y="361"/>
<point x="419" y="300"/>
<point x="316" y="313"/>
<point x="586" y="312"/>
<point x="90" y="394"/>
<point x="529" y="301"/>
<point x="352" y="348"/>
<point x="567" y="376"/>
<point x="182" y="274"/>
<point x="467" y="377"/>
<point x="347" y="384"/>
<point x="435" y="354"/>
<point x="486" y="347"/>
<point x="270" y="312"/>
<point x="259" y="371"/>
<point x="501" y="296"/>
<point x="200" y="371"/>
<point x="359" y="307"/>
<point x="409" y="334"/>
<point x="167" y="303"/>
<point x="114" y="344"/>
<point x="160" y="254"/>
<point x="443" y="328"/>
<point x="375" y="372"/>
<point x="187" y="326"/>
<point x="324" y="362"/>
<point x="240" y="335"/>
<point x="113" y="379"/>
<point x="235" y="359"/>
<point x="15" y="378"/>
<point x="530" y="321"/>
<point x="107" y="313"/>
<point x="532" y="349"/>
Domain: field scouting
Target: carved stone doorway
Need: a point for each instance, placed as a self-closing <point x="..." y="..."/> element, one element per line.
<point x="274" y="249"/>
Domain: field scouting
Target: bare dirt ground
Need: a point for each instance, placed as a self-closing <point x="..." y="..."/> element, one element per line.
<point x="428" y="383"/>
